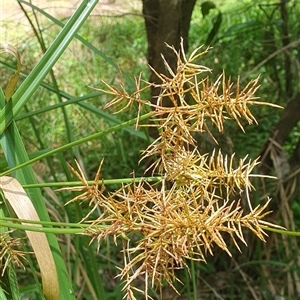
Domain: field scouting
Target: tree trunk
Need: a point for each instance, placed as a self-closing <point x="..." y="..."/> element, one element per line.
<point x="166" y="21"/>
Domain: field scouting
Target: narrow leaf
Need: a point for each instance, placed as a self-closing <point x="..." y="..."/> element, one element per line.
<point x="34" y="79"/>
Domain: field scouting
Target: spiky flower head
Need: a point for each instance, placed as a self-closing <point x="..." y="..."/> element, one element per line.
<point x="10" y="252"/>
<point x="197" y="202"/>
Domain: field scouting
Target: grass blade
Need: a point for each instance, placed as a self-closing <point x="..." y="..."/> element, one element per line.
<point x="12" y="143"/>
<point x="34" y="79"/>
<point x="16" y="154"/>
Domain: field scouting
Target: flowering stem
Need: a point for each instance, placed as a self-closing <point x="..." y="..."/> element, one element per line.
<point x="64" y="228"/>
<point x="80" y="141"/>
<point x="90" y="182"/>
<point x="282" y="231"/>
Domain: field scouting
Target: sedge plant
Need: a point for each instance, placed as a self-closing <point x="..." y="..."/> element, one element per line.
<point x="190" y="206"/>
<point x="194" y="205"/>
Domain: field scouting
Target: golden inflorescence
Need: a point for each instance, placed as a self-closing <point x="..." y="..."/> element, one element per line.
<point x="10" y="250"/>
<point x="197" y="201"/>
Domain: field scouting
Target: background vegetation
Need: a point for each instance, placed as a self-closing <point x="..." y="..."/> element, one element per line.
<point x="250" y="41"/>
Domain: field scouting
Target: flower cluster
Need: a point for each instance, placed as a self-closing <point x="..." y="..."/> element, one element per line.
<point x="10" y="253"/>
<point x="197" y="201"/>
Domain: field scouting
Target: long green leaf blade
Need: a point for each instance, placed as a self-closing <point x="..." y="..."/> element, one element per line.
<point x="12" y="143"/>
<point x="16" y="154"/>
<point x="34" y="79"/>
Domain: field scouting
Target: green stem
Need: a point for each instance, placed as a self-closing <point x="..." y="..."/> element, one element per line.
<point x="79" y="228"/>
<point x="90" y="182"/>
<point x="282" y="231"/>
<point x="78" y="142"/>
<point x="43" y="229"/>
<point x="46" y="223"/>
